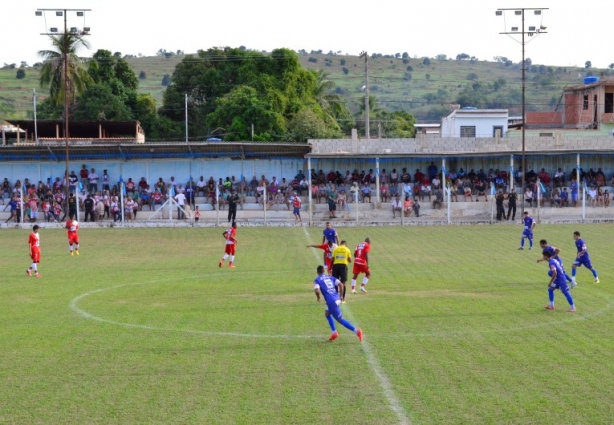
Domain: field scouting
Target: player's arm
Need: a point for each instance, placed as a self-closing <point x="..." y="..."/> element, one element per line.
<point x="316" y="289"/>
<point x="556" y="251"/>
<point x="533" y="225"/>
<point x="553" y="269"/>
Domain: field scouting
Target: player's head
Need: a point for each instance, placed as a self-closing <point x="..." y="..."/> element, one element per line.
<point x="234" y="224"/>
<point x="328" y="224"/>
<point x="576" y="235"/>
<point x="343" y="243"/>
<point x="35" y="228"/>
<point x="526" y="213"/>
<point x="320" y="270"/>
<point x="331" y="242"/>
<point x="543" y="243"/>
<point x="546" y="253"/>
<point x="367" y="240"/>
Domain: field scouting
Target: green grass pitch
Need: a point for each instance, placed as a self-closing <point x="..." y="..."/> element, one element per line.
<point x="144" y="328"/>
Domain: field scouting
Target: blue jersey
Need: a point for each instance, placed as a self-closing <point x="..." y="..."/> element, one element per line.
<point x="552" y="250"/>
<point x="328" y="287"/>
<point x="330" y="234"/>
<point x="559" y="281"/>
<point x="583" y="259"/>
<point x="528" y="227"/>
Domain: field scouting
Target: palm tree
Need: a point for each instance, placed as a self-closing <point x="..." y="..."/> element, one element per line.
<point x="332" y="104"/>
<point x="52" y="72"/>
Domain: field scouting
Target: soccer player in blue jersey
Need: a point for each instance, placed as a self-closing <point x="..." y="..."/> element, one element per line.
<point x="330" y="234"/>
<point x="554" y="253"/>
<point x="330" y="288"/>
<point x="582" y="259"/>
<point x="557" y="281"/>
<point x="527" y="232"/>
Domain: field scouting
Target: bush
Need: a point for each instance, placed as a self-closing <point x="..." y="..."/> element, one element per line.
<point x="142" y="75"/>
<point x="312" y="59"/>
<point x="345" y="70"/>
<point x="166" y="80"/>
<point x="342" y="62"/>
<point x="20" y="74"/>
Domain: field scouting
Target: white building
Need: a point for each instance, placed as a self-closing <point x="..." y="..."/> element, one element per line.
<point x="472" y="122"/>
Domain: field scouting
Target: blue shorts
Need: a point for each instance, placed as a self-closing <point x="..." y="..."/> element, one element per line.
<point x="562" y="286"/>
<point x="334" y="311"/>
<point x="585" y="261"/>
<point x="297" y="211"/>
<point x="527" y="234"/>
<point x="574" y="197"/>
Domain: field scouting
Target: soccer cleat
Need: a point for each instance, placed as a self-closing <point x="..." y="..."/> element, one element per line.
<point x="530" y="248"/>
<point x="231" y="266"/>
<point x="334" y="336"/>
<point x="77" y="251"/>
<point x="28" y="272"/>
<point x="571" y="310"/>
<point x="362" y="289"/>
<point x="38" y="275"/>
<point x="549" y="307"/>
<point x="573" y="284"/>
<point x="72" y="253"/>
<point x="343" y="302"/>
<point x="353" y="291"/>
<point x="596" y="280"/>
<point x="221" y="262"/>
<point x="520" y="249"/>
<point x="359" y="333"/>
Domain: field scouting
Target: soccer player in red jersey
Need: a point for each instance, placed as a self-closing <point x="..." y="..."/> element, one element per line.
<point x="35" y="251"/>
<point x="73" y="237"/>
<point x="231" y="243"/>
<point x="328" y="248"/>
<point x="361" y="264"/>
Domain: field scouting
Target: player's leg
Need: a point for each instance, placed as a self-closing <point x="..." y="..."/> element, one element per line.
<point x="336" y="313"/>
<point x="365" y="280"/>
<point x="226" y="255"/>
<point x="333" y="329"/>
<point x="592" y="269"/>
<point x="522" y="241"/>
<point x="76" y="241"/>
<point x="530" y="237"/>
<point x="232" y="257"/>
<point x="550" y="305"/>
<point x="572" y="307"/>
<point x="354" y="277"/>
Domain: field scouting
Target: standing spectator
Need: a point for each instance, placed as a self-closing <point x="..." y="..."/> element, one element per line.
<point x="13" y="209"/>
<point x="416" y="208"/>
<point x="296" y="203"/>
<point x="83" y="174"/>
<point x="342" y="199"/>
<point x="394" y="177"/>
<point x="432" y="170"/>
<point x="171" y="184"/>
<point x="408" y="206"/>
<point x="331" y="198"/>
<point x="190" y="194"/>
<point x="72" y="207"/>
<point x="105" y="180"/>
<point x="100" y="209"/>
<point x="180" y="198"/>
<point x="499" y="198"/>
<point x="88" y="204"/>
<point x="47" y="210"/>
<point x="93" y="178"/>
<point x="511" y="204"/>
<point x="129" y="209"/>
<point x="574" y="192"/>
<point x="233" y="200"/>
<point x="114" y="207"/>
<point x="196" y="214"/>
<point x="438" y="198"/>
<point x="33" y="208"/>
<point x="72" y="182"/>
<point x="35" y="252"/>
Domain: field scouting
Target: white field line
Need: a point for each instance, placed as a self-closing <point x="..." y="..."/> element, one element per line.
<point x="393" y="400"/>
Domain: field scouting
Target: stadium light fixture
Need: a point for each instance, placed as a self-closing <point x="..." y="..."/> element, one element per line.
<point x="53" y="29"/>
<point x="80" y="13"/>
<point x="38" y="13"/>
<point x="59" y="13"/>
<point x="499" y="13"/>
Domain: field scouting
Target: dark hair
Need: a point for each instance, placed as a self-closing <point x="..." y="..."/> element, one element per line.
<point x="35" y="227"/>
<point x="320" y="269"/>
<point x="576" y="233"/>
<point x="546" y="253"/>
<point x="543" y="241"/>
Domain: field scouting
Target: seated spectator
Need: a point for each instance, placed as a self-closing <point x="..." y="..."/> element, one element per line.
<point x="425" y="190"/>
<point x="528" y="196"/>
<point x="600" y="194"/>
<point x="416" y="190"/>
<point x="559" y="178"/>
<point x="354" y="191"/>
<point x="592" y="196"/>
<point x="253" y="186"/>
<point x="436" y="183"/>
<point x="320" y="178"/>
<point x="384" y="192"/>
<point x="304" y="186"/>
<point x="383" y="177"/>
<point x="160" y="185"/>
<point x="369" y="177"/>
<point x="467" y="193"/>
<point x="599" y="178"/>
<point x="405" y="177"/>
<point x="408" y="206"/>
<point x="201" y="186"/>
<point x="397" y="205"/>
<point x="283" y="186"/>
<point x="544" y="177"/>
<point x="315" y="190"/>
<point x="142" y="184"/>
<point x="461" y="173"/>
<point x="342" y="199"/>
<point x="418" y="176"/>
<point x="453" y="194"/>
<point x="322" y="193"/>
<point x="556" y="199"/>
<point x="606" y="198"/>
<point x="295" y="185"/>
<point x="438" y="194"/>
<point x="546" y="196"/>
<point x="366" y="192"/>
<point x="157" y="198"/>
<point x="480" y="189"/>
<point x="394" y="190"/>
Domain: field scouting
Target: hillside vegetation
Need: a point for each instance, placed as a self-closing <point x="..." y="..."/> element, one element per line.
<point x="423" y="87"/>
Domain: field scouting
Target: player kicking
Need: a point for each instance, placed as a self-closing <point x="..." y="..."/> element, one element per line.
<point x="527" y="232"/>
<point x="330" y="288"/>
<point x="554" y="253"/>
<point x="231" y="244"/>
<point x="557" y="281"/>
<point x="328" y="248"/>
<point x="73" y="236"/>
<point x="582" y="259"/>
<point x="361" y="265"/>
<point x="35" y="251"/>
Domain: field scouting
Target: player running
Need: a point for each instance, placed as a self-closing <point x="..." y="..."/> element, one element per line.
<point x="582" y="259"/>
<point x="330" y="234"/>
<point x="35" y="251"/>
<point x="557" y="281"/>
<point x="231" y="243"/>
<point x="328" y="248"/>
<point x="73" y="236"/>
<point x="361" y="264"/>
<point x="527" y="232"/>
<point x="330" y="288"/>
<point x="554" y="253"/>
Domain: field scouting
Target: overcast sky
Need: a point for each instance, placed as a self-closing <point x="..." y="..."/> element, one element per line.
<point x="576" y="32"/>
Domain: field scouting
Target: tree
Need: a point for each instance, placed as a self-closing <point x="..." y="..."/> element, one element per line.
<point x="342" y="62"/>
<point x="306" y="124"/>
<point x="98" y="103"/>
<point x="462" y="57"/>
<point x="345" y="70"/>
<point x="472" y="76"/>
<point x="166" y="80"/>
<point x="405" y="55"/>
<point x="426" y="61"/>
<point x="611" y="66"/>
<point x="52" y="72"/>
<point x="441" y="57"/>
<point x="428" y="77"/>
<point x="397" y="124"/>
<point x="21" y="74"/>
<point x="588" y="64"/>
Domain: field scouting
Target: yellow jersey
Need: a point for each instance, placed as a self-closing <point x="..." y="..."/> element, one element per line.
<point x="342" y="255"/>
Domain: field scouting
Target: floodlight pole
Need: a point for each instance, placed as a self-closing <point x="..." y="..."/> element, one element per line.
<point x="540" y="30"/>
<point x="367" y="129"/>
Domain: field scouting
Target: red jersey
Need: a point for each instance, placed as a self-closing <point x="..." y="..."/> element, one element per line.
<point x="297" y="202"/>
<point x="34" y="241"/>
<point x="72" y="226"/>
<point x="157" y="196"/>
<point x="197" y="213"/>
<point x="360" y="255"/>
<point x="230" y="234"/>
<point x="328" y="253"/>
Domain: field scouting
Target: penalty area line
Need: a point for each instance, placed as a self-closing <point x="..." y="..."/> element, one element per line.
<point x="391" y="397"/>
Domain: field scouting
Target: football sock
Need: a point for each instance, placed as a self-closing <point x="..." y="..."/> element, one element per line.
<point x="70" y="248"/>
<point x="522" y="242"/>
<point x="344" y="291"/>
<point x="569" y="298"/>
<point x="347" y="324"/>
<point x="232" y="258"/>
<point x="551" y="296"/>
<point x="353" y="283"/>
<point x="594" y="273"/>
<point x="224" y="257"/>
<point x="364" y="281"/>
<point x="530" y="243"/>
<point x="331" y="323"/>
<point x="568" y="278"/>
<point x="77" y="247"/>
<point x="573" y="273"/>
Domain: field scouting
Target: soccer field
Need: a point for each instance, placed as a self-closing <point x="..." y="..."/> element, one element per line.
<point x="144" y="328"/>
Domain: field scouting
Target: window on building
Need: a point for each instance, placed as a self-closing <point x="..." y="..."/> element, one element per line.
<point x="467" y="131"/>
<point x="585" y="103"/>
<point x="609" y="103"/>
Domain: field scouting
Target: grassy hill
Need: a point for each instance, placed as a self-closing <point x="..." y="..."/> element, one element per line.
<point x="424" y="90"/>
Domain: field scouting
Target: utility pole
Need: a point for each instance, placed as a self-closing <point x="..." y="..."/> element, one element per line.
<point x="366" y="88"/>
